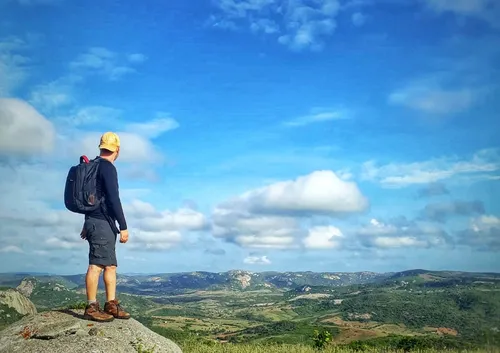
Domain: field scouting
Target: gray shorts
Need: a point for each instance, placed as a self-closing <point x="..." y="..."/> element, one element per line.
<point x="102" y="241"/>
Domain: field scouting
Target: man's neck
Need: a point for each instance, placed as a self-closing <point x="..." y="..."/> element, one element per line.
<point x="108" y="158"/>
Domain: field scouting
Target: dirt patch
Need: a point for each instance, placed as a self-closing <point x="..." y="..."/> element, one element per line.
<point x="446" y="331"/>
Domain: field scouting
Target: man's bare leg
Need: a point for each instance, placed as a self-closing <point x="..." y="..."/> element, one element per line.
<point x="110" y="282"/>
<point x="92" y="311"/>
<point x="112" y="305"/>
<point x="92" y="282"/>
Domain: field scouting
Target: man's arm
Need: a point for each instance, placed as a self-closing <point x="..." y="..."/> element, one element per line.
<point x="110" y="178"/>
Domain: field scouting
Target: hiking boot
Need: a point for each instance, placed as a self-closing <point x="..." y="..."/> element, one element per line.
<point x="114" y="308"/>
<point x="94" y="313"/>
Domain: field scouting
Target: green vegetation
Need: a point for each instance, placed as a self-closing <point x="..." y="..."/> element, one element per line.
<point x="8" y="316"/>
<point x="410" y="311"/>
<point x="468" y="311"/>
<point x="196" y="347"/>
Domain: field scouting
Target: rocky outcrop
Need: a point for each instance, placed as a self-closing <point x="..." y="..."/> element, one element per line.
<point x="26" y="287"/>
<point x="67" y="331"/>
<point x="15" y="300"/>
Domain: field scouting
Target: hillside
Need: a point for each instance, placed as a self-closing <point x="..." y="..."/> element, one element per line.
<point x="14" y="306"/>
<point x="418" y="307"/>
<point x="188" y="281"/>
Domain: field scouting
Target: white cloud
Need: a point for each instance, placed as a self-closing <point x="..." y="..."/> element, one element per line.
<point x="401" y="234"/>
<point x="317" y="116"/>
<point x="257" y="260"/>
<point x="483" y="233"/>
<point x="103" y="61"/>
<point x="155" y="127"/>
<point x="435" y="100"/>
<point x="487" y="10"/>
<point x="32" y="189"/>
<point x="13" y="64"/>
<point x="269" y="217"/>
<point x="321" y="192"/>
<point x="323" y="237"/>
<point x="148" y="219"/>
<point x="297" y="24"/>
<point x="254" y="231"/>
<point x="24" y="130"/>
<point x="134" y="149"/>
<point x="480" y="165"/>
<point x="11" y="249"/>
<point x="55" y="94"/>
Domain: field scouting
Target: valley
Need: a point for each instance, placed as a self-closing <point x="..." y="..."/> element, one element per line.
<point x="452" y="309"/>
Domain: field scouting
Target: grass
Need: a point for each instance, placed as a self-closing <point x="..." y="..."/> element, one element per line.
<point x="197" y="347"/>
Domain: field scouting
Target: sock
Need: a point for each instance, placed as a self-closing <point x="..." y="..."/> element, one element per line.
<point x="91" y="301"/>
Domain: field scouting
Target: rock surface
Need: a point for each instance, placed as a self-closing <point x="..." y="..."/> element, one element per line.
<point x="26" y="287"/>
<point x="61" y="332"/>
<point x="17" y="301"/>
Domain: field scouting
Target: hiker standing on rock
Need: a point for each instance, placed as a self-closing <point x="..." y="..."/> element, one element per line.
<point x="92" y="189"/>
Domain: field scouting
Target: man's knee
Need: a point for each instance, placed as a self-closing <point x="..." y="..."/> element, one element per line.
<point x="97" y="269"/>
<point x="111" y="268"/>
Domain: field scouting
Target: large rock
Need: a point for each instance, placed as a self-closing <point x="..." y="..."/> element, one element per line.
<point x="26" y="287"/>
<point x="17" y="301"/>
<point x="67" y="331"/>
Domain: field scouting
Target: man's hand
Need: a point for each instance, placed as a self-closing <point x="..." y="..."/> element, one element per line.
<point x="123" y="236"/>
<point x="83" y="233"/>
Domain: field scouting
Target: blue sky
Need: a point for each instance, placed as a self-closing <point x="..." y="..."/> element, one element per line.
<point x="259" y="134"/>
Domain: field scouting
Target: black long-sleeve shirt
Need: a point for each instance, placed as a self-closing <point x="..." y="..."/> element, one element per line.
<point x="107" y="185"/>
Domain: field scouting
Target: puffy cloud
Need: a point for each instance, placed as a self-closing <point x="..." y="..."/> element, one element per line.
<point x="147" y="218"/>
<point x="441" y="212"/>
<point x="33" y="218"/>
<point x="257" y="260"/>
<point x="480" y="165"/>
<point x="24" y="130"/>
<point x="323" y="237"/>
<point x="297" y="24"/>
<point x="318" y="193"/>
<point x="401" y="233"/>
<point x="483" y="233"/>
<point x="270" y="217"/>
<point x="134" y="148"/>
<point x="255" y="231"/>
<point x="102" y="61"/>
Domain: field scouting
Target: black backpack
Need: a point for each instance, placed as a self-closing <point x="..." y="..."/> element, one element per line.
<point x="80" y="192"/>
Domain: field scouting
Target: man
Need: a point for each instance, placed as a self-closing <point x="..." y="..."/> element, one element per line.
<point x="100" y="231"/>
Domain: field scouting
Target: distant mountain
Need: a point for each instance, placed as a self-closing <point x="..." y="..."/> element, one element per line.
<point x="172" y="283"/>
<point x="201" y="280"/>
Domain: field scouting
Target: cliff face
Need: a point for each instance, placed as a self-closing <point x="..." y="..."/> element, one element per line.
<point x="15" y="300"/>
<point x="61" y="332"/>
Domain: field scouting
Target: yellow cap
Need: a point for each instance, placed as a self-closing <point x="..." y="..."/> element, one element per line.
<point x="109" y="141"/>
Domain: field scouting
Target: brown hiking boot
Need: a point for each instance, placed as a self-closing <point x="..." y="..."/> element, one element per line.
<point x="94" y="313"/>
<point x="114" y="308"/>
